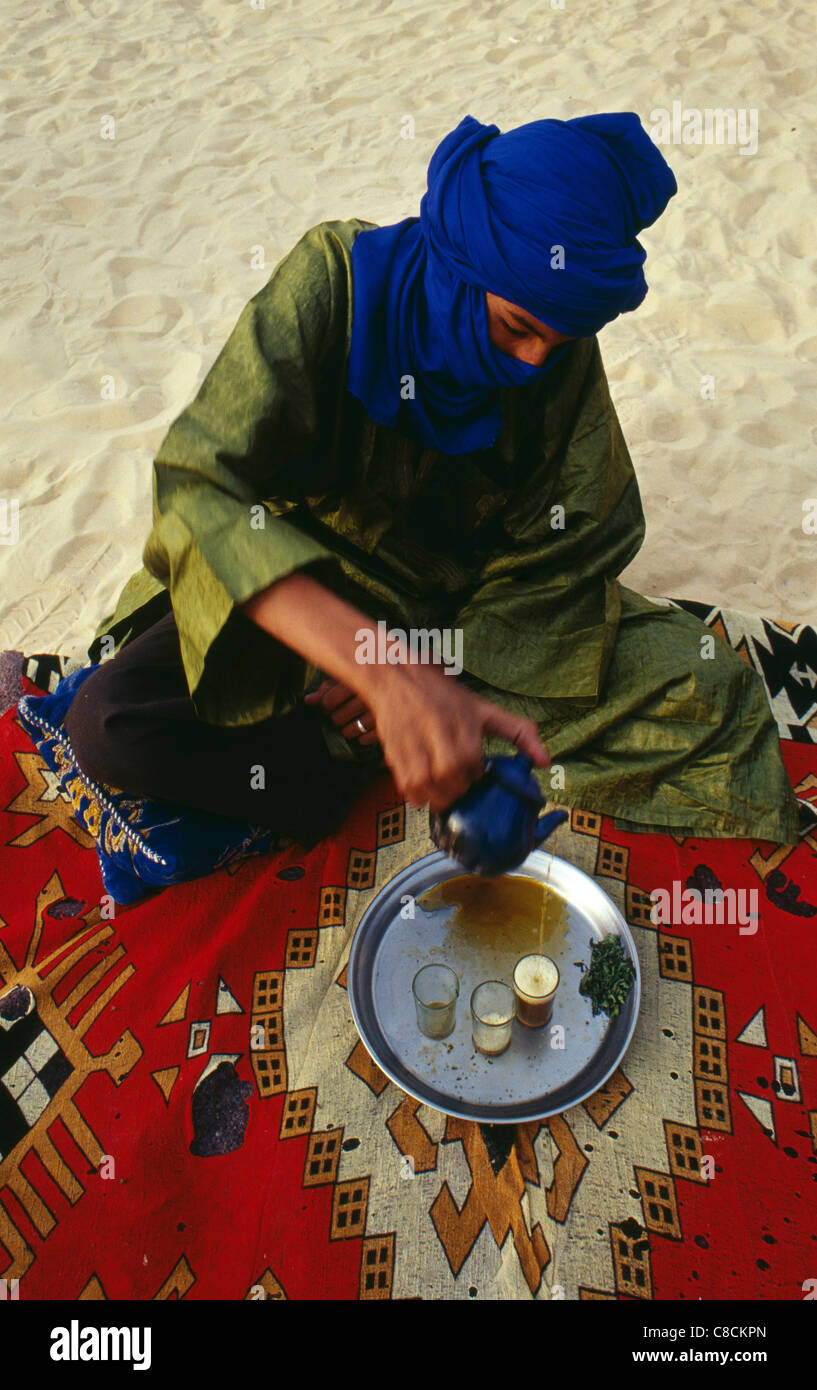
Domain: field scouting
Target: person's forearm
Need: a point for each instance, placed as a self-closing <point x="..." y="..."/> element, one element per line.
<point x="431" y="729"/>
<point x="301" y="613"/>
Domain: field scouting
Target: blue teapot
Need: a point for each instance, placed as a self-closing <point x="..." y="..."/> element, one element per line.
<point x="497" y="823"/>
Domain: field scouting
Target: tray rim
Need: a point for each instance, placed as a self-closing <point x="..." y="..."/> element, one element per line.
<point x="465" y="1110"/>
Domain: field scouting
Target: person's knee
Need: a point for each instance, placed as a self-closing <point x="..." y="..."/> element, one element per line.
<point x="699" y="672"/>
<point x="718" y="668"/>
<point x="719" y="687"/>
<point x="99" y="754"/>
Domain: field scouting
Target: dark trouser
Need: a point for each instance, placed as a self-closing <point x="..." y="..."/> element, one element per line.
<point x="133" y="726"/>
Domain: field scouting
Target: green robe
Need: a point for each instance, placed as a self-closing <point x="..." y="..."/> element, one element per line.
<point x="274" y="467"/>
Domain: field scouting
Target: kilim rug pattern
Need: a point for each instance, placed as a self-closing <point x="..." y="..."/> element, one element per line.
<point x="186" y="1110"/>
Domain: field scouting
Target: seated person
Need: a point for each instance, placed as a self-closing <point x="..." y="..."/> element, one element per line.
<point x="411" y="425"/>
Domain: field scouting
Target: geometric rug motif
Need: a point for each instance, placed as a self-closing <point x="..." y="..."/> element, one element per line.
<point x="784" y="656"/>
<point x="187" y="1111"/>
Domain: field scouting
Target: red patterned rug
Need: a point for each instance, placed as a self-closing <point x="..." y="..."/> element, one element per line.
<point x="186" y="1110"/>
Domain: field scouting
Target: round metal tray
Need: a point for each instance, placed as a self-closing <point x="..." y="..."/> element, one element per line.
<point x="544" y="1071"/>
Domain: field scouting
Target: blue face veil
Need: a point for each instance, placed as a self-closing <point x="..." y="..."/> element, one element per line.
<point x="545" y="216"/>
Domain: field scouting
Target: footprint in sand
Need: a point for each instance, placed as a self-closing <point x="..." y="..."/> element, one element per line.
<point x="806" y="349"/>
<point x="79" y="210"/>
<point x="127" y="265"/>
<point x="667" y="426"/>
<point x="796" y="241"/>
<point x="153" y="314"/>
<point x="126" y="53"/>
<point x="763" y="434"/>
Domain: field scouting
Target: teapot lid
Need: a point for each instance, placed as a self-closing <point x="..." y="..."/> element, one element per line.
<point x="514" y="774"/>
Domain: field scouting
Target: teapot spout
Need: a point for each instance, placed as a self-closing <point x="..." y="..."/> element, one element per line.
<point x="547" y="824"/>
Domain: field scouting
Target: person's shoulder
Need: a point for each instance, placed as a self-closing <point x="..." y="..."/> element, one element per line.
<point x="344" y="229"/>
<point x="308" y="294"/>
<point x="332" y="239"/>
<point x="319" y="264"/>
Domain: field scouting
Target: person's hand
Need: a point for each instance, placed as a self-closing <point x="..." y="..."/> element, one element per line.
<point x="345" y="708"/>
<point x="431" y="729"/>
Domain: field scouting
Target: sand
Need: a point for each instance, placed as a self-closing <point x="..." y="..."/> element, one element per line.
<point x="128" y="259"/>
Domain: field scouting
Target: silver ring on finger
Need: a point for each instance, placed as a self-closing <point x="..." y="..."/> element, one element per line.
<point x="361" y="726"/>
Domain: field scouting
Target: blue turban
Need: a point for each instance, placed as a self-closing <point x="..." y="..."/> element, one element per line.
<point x="496" y="205"/>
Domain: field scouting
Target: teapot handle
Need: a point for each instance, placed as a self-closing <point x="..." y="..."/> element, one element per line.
<point x="547" y="824"/>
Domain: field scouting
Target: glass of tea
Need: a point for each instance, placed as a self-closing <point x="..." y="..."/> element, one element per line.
<point x="493" y="1009"/>
<point x="535" y="981"/>
<point x="435" y="989"/>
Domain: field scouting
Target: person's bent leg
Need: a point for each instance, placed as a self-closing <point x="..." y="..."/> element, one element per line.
<point x="133" y="727"/>
<point x="682" y="738"/>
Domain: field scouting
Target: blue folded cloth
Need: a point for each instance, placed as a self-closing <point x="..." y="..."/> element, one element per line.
<point x="142" y="844"/>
